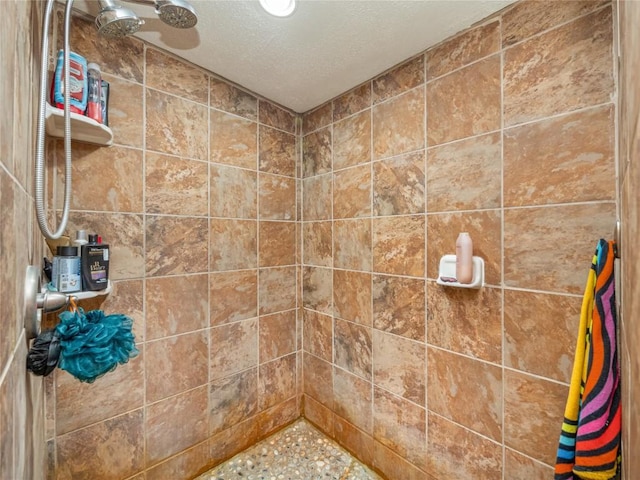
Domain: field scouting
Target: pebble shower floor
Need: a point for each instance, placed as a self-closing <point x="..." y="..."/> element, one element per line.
<point x="298" y="452"/>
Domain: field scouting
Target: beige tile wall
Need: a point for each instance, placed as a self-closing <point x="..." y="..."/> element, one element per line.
<point x="506" y="131"/>
<point x="197" y="198"/>
<point x="394" y="364"/>
<point x="22" y="453"/>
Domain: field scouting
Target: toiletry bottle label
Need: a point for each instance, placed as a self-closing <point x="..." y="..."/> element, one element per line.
<point x="95" y="266"/>
<point x="67" y="276"/>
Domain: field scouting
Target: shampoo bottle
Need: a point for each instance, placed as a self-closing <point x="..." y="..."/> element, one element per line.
<point x="77" y="83"/>
<point x="464" y="258"/>
<point x="66" y="270"/>
<point x="95" y="265"/>
<point x="79" y="242"/>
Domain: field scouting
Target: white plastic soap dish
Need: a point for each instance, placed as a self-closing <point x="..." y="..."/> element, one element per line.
<point x="447" y="270"/>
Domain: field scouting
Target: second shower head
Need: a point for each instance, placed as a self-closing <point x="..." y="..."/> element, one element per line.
<point x="176" y="13"/>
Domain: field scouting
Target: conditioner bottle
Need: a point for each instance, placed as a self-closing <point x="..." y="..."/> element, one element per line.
<point x="95" y="264"/>
<point x="464" y="258"/>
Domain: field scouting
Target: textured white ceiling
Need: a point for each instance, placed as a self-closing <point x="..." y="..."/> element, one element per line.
<point x="325" y="48"/>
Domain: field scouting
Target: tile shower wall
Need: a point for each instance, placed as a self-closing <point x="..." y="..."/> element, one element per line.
<point x="21" y="396"/>
<point x="506" y="131"/>
<point x="197" y="199"/>
<point x="353" y="300"/>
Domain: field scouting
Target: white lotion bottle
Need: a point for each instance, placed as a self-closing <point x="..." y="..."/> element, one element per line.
<point x="80" y="241"/>
<point x="464" y="258"/>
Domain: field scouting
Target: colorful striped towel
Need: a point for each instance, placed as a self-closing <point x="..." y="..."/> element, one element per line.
<point x="589" y="446"/>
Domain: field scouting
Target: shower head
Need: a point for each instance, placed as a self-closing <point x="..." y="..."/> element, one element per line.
<point x="116" y="21"/>
<point x="176" y="13"/>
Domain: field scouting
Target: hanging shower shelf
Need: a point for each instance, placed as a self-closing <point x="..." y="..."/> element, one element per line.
<point x="86" y="294"/>
<point x="91" y="294"/>
<point x="83" y="129"/>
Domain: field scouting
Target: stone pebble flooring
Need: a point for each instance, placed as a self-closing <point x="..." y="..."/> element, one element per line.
<point x="298" y="452"/>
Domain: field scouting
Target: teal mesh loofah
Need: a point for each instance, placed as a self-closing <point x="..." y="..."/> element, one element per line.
<point x="94" y="344"/>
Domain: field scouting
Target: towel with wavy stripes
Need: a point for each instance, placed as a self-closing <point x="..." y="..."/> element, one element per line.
<point x="589" y="447"/>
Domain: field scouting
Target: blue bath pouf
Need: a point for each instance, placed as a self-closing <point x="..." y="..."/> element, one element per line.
<point x="93" y="344"/>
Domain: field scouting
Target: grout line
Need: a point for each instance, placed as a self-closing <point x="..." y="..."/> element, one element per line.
<point x="499" y="365"/>
<point x="258" y="270"/>
<point x="11" y="358"/>
<point x="502" y="262"/>
<point x="144" y="408"/>
<point x="144" y="250"/>
<point x="462" y="67"/>
<point x="560" y="115"/>
<point x="120" y="415"/>
<point x="372" y="412"/>
<point x="477" y="210"/>
<point x="467" y="429"/>
<point x="553" y="205"/>
<point x="209" y="267"/>
<point x="164" y="92"/>
<point x="528" y="457"/>
<point x="392" y="98"/>
<point x="299" y="315"/>
<point x="374" y="386"/>
<point x="222" y="325"/>
<point x="425" y="163"/>
<point x="521" y="124"/>
<point x="168" y="460"/>
<point x="15" y="181"/>
<point x="508" y="288"/>
<point x="363" y="325"/>
<point x="556" y="26"/>
<point x="331" y="128"/>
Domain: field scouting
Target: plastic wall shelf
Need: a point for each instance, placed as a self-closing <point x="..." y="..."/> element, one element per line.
<point x="85" y="294"/>
<point x="83" y="129"/>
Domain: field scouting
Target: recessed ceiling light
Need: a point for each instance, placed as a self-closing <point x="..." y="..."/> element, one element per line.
<point x="279" y="8"/>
